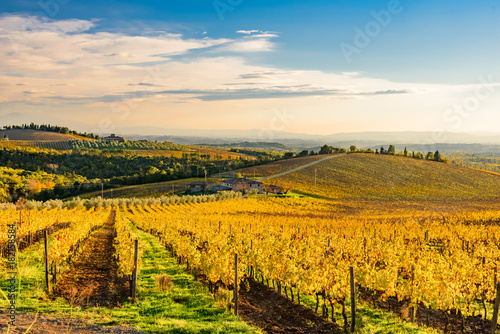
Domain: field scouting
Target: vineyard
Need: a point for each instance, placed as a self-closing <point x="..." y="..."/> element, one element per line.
<point x="50" y="145"/>
<point x="37" y="136"/>
<point x="439" y="260"/>
<point x="381" y="177"/>
<point x="128" y="145"/>
<point x="443" y="262"/>
<point x="278" y="166"/>
<point x="222" y="154"/>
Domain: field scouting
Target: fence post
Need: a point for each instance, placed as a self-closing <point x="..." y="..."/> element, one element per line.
<point x="494" y="319"/>
<point x="353" y="300"/>
<point x="235" y="284"/>
<point x="134" y="273"/>
<point x="46" y="242"/>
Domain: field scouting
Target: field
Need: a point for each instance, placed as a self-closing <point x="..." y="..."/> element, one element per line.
<point x="484" y="161"/>
<point x="382" y="177"/>
<point x="396" y="250"/>
<point x="295" y="248"/>
<point x="128" y="145"/>
<point x="420" y="236"/>
<point x="42" y="145"/>
<point x="278" y="166"/>
<point x="38" y="136"/>
<point x="63" y="142"/>
<point x="221" y="153"/>
<point x="95" y="278"/>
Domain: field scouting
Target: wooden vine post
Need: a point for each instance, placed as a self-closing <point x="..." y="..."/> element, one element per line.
<point x="353" y="300"/>
<point x="46" y="242"/>
<point x="494" y="320"/>
<point x="134" y="273"/>
<point x="235" y="284"/>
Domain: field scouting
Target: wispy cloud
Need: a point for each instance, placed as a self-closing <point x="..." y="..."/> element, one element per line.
<point x="75" y="66"/>
<point x="247" y="32"/>
<point x="255" y="41"/>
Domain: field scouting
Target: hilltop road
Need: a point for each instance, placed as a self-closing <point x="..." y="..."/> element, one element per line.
<point x="299" y="168"/>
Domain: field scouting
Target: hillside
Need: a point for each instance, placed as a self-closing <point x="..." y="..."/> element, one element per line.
<point x="382" y="177"/>
<point x="278" y="166"/>
<point x="219" y="152"/>
<point x="34" y="135"/>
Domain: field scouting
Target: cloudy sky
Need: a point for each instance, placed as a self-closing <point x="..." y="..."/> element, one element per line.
<point x="316" y="67"/>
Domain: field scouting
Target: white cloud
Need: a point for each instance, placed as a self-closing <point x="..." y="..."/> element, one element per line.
<point x="257" y="45"/>
<point x="61" y="65"/>
<point x="247" y="32"/>
<point x="27" y="24"/>
<point x="260" y="42"/>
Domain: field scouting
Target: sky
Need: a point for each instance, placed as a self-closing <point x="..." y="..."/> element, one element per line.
<point x="316" y="67"/>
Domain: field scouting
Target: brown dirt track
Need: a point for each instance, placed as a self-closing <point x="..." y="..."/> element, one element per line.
<point x="267" y="309"/>
<point x="92" y="280"/>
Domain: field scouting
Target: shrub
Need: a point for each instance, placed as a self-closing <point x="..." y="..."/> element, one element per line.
<point x="164" y="283"/>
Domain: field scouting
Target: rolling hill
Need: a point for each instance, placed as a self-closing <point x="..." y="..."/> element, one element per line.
<point x="277" y="166"/>
<point x="59" y="141"/>
<point x="361" y="177"/>
<point x="35" y="135"/>
<point x="383" y="177"/>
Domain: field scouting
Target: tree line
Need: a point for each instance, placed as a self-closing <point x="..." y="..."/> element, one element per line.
<point x="85" y="170"/>
<point x="391" y="150"/>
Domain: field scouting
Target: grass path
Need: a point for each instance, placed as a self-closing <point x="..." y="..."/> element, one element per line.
<point x="189" y="308"/>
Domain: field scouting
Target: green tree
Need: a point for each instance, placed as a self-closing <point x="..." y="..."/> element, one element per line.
<point x="391" y="150"/>
<point x="288" y="155"/>
<point x="353" y="148"/>
<point x="406" y="152"/>
<point x="437" y="156"/>
<point x="325" y="149"/>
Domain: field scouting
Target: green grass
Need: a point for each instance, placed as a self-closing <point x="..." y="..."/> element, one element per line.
<point x="188" y="308"/>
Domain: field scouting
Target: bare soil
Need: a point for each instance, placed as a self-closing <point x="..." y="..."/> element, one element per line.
<point x="91" y="279"/>
<point x="269" y="310"/>
<point x="448" y="323"/>
<point x="47" y="324"/>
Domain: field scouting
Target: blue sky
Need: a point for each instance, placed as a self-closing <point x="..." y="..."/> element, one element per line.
<point x="417" y="61"/>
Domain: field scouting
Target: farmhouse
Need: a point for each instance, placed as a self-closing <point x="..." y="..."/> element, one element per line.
<point x="114" y="138"/>
<point x="196" y="186"/>
<point x="242" y="184"/>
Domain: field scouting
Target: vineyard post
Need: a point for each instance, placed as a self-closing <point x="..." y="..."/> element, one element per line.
<point x="46" y="242"/>
<point x="494" y="319"/>
<point x="412" y="280"/>
<point x="134" y="273"/>
<point x="495" y="275"/>
<point x="353" y="300"/>
<point x="235" y="284"/>
<point x="315" y="171"/>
